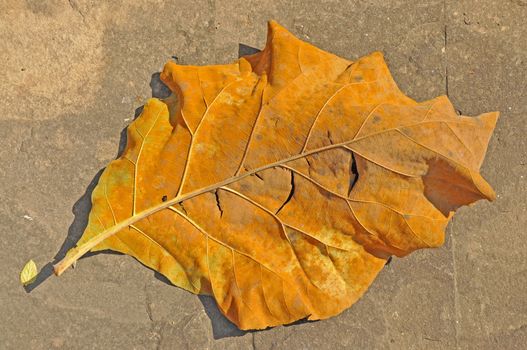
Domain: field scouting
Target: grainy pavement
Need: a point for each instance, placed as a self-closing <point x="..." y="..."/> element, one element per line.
<point x="73" y="74"/>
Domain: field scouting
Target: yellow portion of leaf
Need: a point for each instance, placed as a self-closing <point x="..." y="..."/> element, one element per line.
<point x="29" y="273"/>
<point x="280" y="183"/>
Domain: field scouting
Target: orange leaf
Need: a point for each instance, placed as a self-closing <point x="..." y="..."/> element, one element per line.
<point x="282" y="182"/>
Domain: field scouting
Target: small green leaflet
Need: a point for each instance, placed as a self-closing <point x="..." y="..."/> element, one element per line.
<point x="28" y="273"/>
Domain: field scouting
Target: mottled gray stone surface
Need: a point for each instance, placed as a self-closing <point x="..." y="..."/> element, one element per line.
<point x="73" y="74"/>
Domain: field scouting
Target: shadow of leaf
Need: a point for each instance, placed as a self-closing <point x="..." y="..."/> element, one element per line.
<point x="245" y="50"/>
<point x="81" y="210"/>
<point x="221" y="326"/>
<point x="159" y="89"/>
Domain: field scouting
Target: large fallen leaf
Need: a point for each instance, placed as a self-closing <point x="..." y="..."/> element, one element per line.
<point x="280" y="183"/>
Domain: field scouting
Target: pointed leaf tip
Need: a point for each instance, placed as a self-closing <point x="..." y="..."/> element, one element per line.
<point x="29" y="273"/>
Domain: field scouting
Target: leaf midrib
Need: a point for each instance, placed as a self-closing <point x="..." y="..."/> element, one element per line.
<point x="84" y="248"/>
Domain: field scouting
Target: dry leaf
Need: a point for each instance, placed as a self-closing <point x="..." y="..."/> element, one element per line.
<point x="29" y="273"/>
<point x="281" y="183"/>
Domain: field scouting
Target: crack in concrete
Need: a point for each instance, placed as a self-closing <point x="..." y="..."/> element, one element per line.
<point x="147" y="305"/>
<point x="159" y="339"/>
<point x="75" y="8"/>
<point x="457" y="312"/>
<point x="446" y="60"/>
<point x="156" y="334"/>
<point x="22" y="148"/>
<point x="445" y="44"/>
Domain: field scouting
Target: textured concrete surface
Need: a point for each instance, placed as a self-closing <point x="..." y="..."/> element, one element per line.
<point x="73" y="74"/>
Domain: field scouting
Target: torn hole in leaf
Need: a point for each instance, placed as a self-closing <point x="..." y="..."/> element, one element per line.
<point x="354" y="173"/>
<point x="308" y="165"/>
<point x="329" y="137"/>
<point x="180" y="206"/>
<point x="291" y="192"/>
<point x="218" y="204"/>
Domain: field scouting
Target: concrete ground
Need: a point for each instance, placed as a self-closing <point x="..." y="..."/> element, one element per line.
<point x="73" y="74"/>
